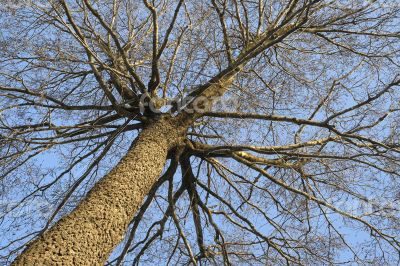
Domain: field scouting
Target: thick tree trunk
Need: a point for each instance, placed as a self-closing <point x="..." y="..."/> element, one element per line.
<point x="89" y="234"/>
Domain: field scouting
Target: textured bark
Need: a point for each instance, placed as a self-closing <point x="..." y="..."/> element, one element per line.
<point x="89" y="234"/>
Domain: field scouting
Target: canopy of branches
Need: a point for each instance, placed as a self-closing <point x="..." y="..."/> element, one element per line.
<point x="298" y="162"/>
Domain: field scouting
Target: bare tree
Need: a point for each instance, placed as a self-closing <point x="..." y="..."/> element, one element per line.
<point x="215" y="132"/>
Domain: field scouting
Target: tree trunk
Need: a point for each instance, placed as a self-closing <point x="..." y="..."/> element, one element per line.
<point x="89" y="234"/>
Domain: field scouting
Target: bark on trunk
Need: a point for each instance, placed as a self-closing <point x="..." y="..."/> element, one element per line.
<point x="90" y="233"/>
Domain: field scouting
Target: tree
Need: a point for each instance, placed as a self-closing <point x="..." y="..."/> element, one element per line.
<point x="200" y="132"/>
